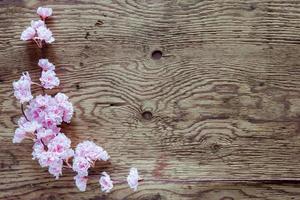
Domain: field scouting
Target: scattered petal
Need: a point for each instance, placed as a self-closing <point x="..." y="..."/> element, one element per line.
<point x="105" y="182"/>
<point x="133" y="178"/>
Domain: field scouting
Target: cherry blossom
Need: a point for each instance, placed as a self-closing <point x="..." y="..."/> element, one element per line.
<point x="44" y="34"/>
<point x="81" y="165"/>
<point x="46" y="65"/>
<point x="26" y="129"/>
<point x="22" y="88"/>
<point x="80" y="182"/>
<point x="133" y="178"/>
<point x="65" y="106"/>
<point x="56" y="168"/>
<point x="44" y="114"/>
<point x="44" y="12"/>
<point x="91" y="151"/>
<point x="28" y="34"/>
<point x="38" y="23"/>
<point x="46" y="135"/>
<point x="49" y="79"/>
<point x="19" y="136"/>
<point x="105" y="182"/>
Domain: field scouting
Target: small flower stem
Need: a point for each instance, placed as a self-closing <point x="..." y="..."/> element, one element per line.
<point x="43" y="89"/>
<point x="39" y="44"/>
<point x="22" y="108"/>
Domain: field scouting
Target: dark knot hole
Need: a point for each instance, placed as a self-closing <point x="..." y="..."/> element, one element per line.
<point x="147" y="115"/>
<point x="156" y="55"/>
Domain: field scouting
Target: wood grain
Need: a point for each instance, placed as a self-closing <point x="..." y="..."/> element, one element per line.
<point x="217" y="117"/>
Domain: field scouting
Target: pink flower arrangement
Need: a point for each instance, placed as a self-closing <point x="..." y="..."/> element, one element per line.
<point x="44" y="114"/>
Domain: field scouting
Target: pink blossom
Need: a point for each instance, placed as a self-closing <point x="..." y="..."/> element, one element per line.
<point x="38" y="149"/>
<point x="133" y="178"/>
<point x="56" y="168"/>
<point x="22" y="88"/>
<point x="61" y="146"/>
<point x="49" y="79"/>
<point x="46" y="65"/>
<point x="81" y="165"/>
<point x="44" y="12"/>
<point x="91" y="151"/>
<point x="44" y="34"/>
<point x="47" y="158"/>
<point x="19" y="136"/>
<point x="30" y="126"/>
<point x="25" y="129"/>
<point x="28" y="34"/>
<point x="105" y="182"/>
<point x="37" y="24"/>
<point x="65" y="106"/>
<point x="80" y="182"/>
<point x="50" y="111"/>
<point x="46" y="135"/>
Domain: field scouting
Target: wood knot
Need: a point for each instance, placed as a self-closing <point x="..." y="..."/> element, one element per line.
<point x="147" y="115"/>
<point x="156" y="55"/>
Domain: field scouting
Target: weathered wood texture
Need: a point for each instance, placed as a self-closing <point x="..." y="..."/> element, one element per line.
<point x="224" y="97"/>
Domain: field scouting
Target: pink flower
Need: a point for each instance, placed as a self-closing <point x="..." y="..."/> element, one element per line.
<point x="46" y="65"/>
<point x="28" y="34"/>
<point x="133" y="178"/>
<point x="46" y="135"/>
<point x="22" y="88"/>
<point x="25" y="129"/>
<point x="37" y="24"/>
<point x="105" y="182"/>
<point x="61" y="146"/>
<point x="65" y="106"/>
<point x="19" y="136"/>
<point x="91" y="151"/>
<point x="44" y="34"/>
<point x="80" y="182"/>
<point x="30" y="126"/>
<point x="49" y="79"/>
<point x="81" y="165"/>
<point x="44" y="12"/>
<point x="47" y="158"/>
<point x="38" y="149"/>
<point x="56" y="168"/>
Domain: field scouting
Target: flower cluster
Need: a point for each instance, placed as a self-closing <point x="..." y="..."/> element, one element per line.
<point x="44" y="114"/>
<point x="38" y="31"/>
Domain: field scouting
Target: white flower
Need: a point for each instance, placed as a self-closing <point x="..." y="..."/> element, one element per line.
<point x="45" y="34"/>
<point x="37" y="24"/>
<point x="28" y="34"/>
<point x="44" y="12"/>
<point x="80" y="182"/>
<point x="105" y="182"/>
<point x="133" y="178"/>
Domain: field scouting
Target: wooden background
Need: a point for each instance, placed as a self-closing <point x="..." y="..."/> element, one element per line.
<point x="217" y="117"/>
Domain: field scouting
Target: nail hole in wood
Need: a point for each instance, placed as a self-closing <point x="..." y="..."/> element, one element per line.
<point x="147" y="115"/>
<point x="156" y="55"/>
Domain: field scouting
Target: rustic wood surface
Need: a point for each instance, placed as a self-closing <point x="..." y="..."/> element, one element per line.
<point x="216" y="117"/>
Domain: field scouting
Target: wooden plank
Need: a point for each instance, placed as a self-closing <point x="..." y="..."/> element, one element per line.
<point x="159" y="190"/>
<point x="222" y="103"/>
